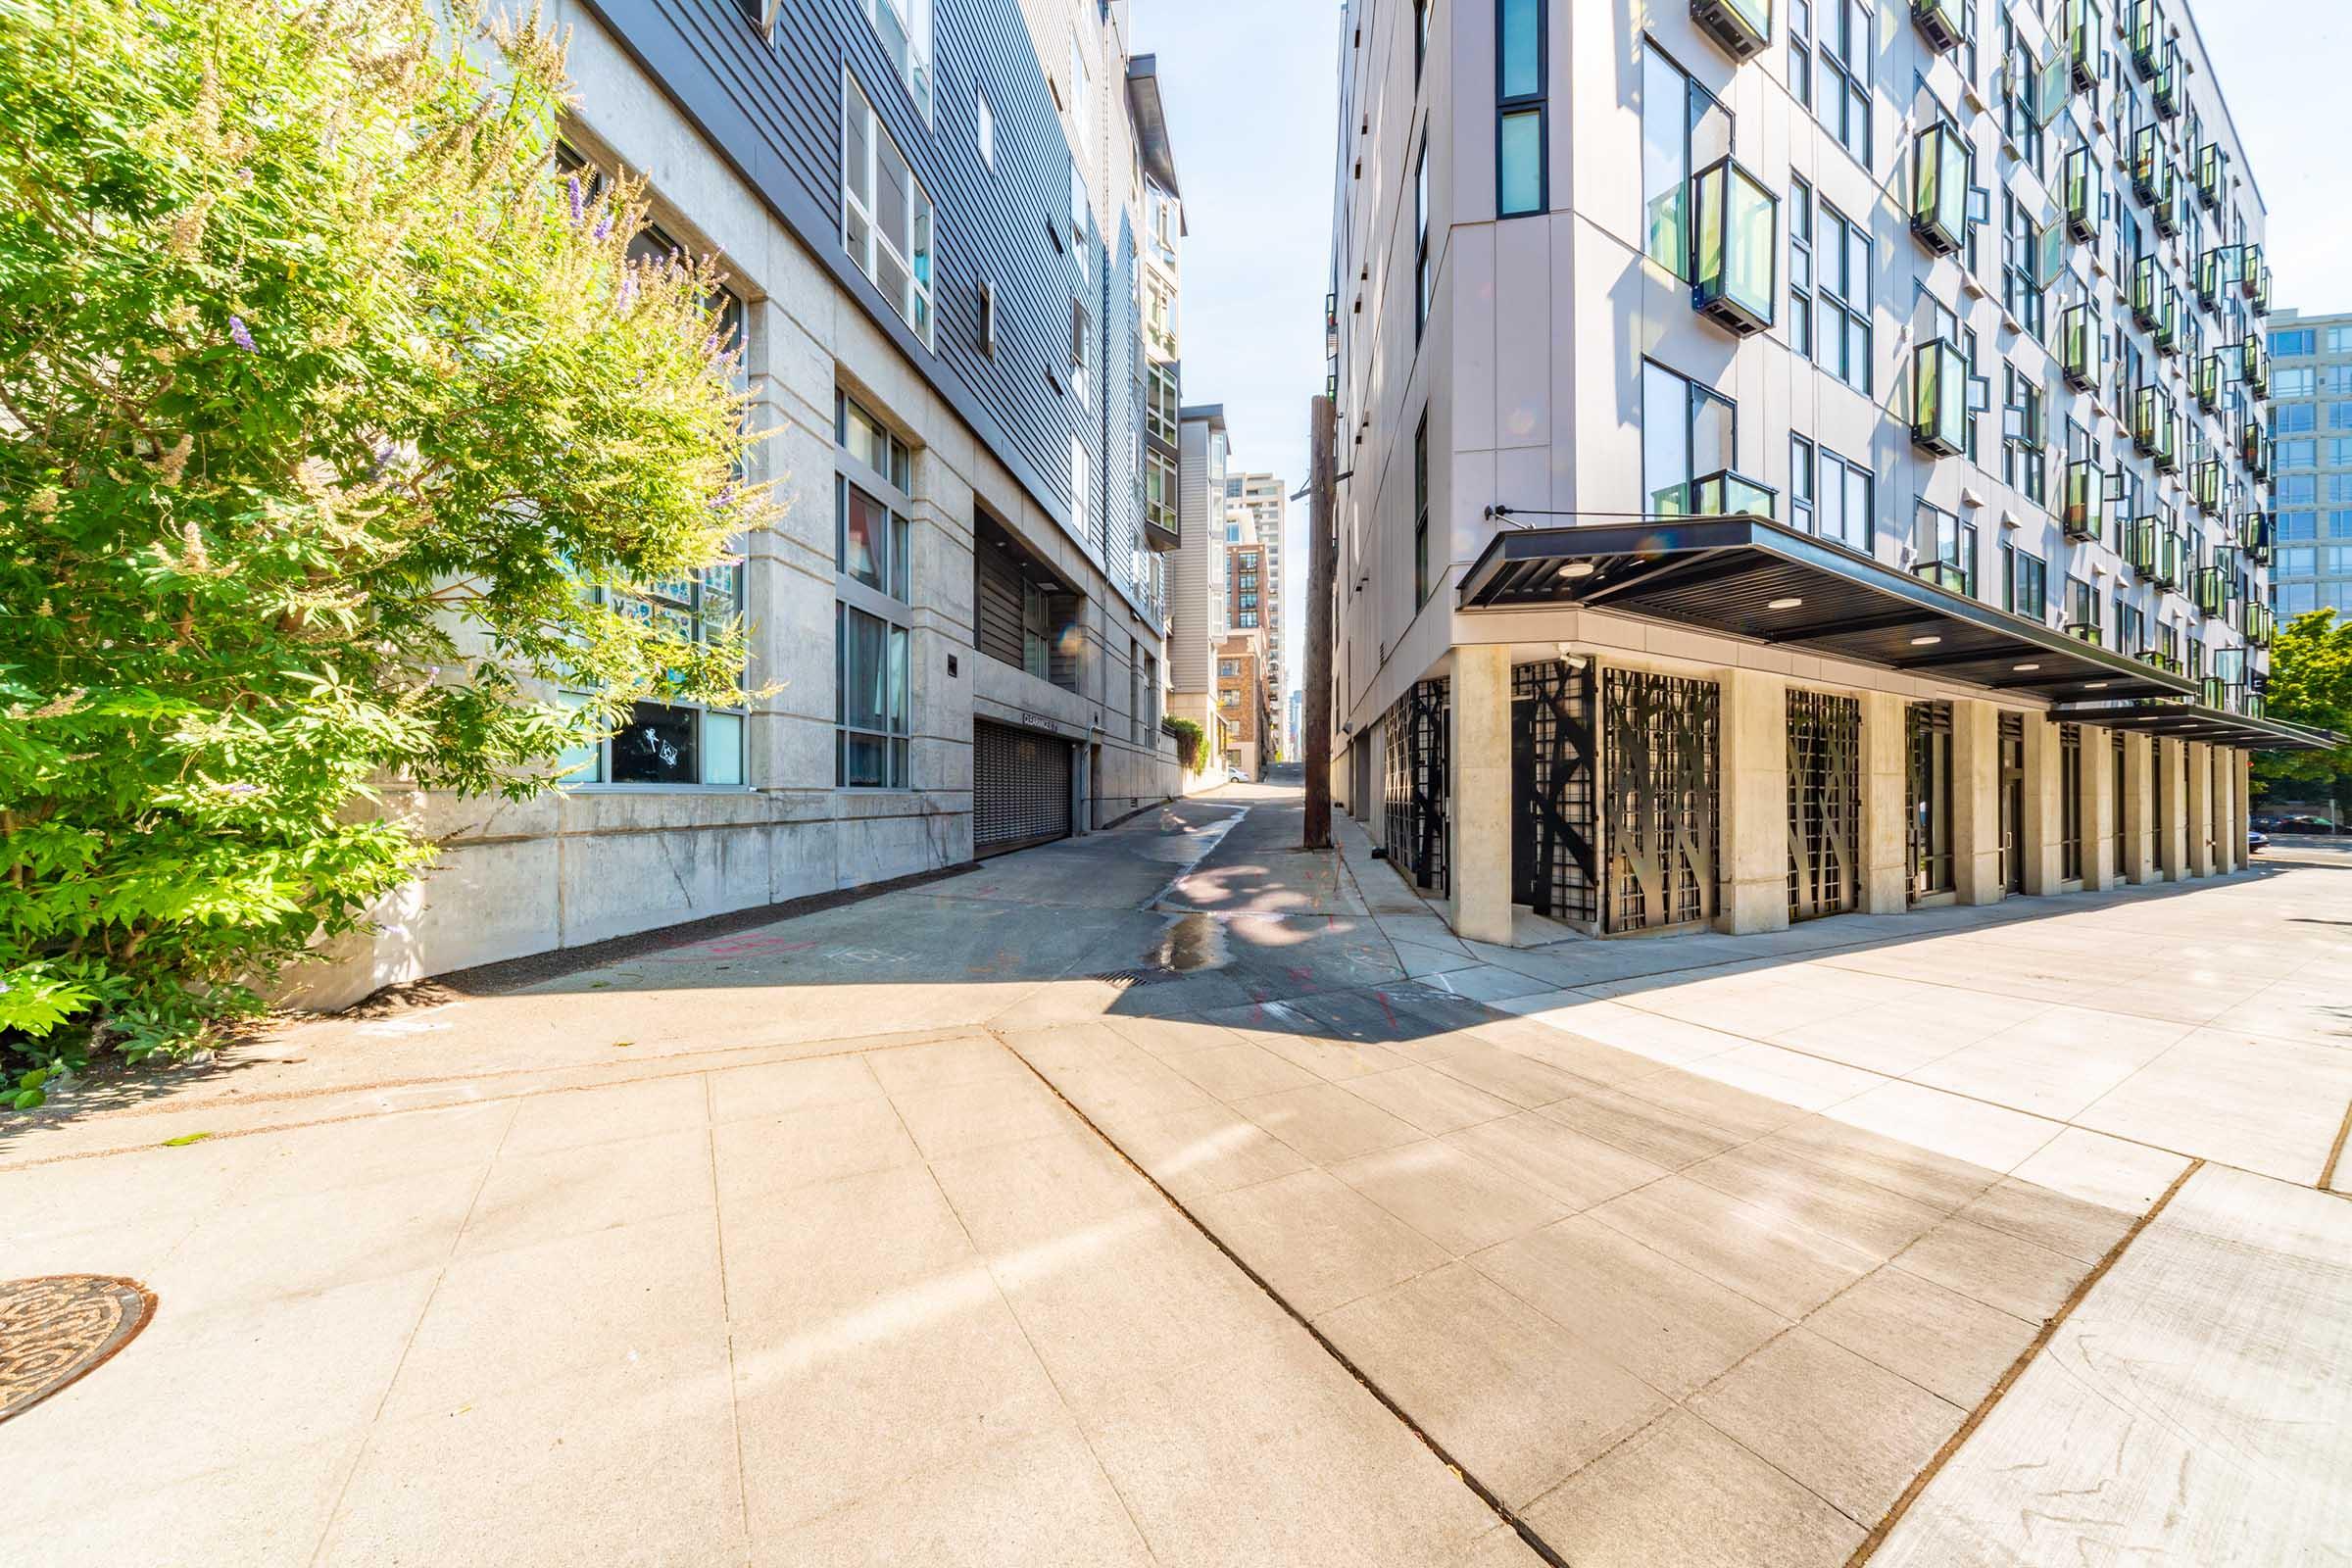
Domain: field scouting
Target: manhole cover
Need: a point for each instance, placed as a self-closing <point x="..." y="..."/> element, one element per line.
<point x="55" y="1328"/>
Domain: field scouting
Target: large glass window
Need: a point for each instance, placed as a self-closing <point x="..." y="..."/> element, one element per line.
<point x="2289" y="342"/>
<point x="905" y="29"/>
<point x="1683" y="129"/>
<point x="1801" y="267"/>
<point x="1844" y="290"/>
<point x="886" y="216"/>
<point x="1687" y="432"/>
<point x="873" y="571"/>
<point x="1521" y="69"/>
<point x="1421" y="268"/>
<point x="665" y="743"/>
<point x="1839" y="94"/>
<point x="1421" y="583"/>
<point x="1844" y="504"/>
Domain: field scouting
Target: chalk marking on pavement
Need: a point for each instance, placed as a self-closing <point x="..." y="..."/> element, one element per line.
<point x="2017" y="1369"/>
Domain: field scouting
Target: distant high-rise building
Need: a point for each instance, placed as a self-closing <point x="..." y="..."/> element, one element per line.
<point x="1263" y="501"/>
<point x="2311" y="423"/>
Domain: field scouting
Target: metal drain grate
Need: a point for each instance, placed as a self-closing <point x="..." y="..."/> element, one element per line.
<point x="1133" y="977"/>
<point x="57" y="1327"/>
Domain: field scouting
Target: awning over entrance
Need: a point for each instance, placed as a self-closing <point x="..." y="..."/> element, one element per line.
<point x="1750" y="577"/>
<point x="2189" y="721"/>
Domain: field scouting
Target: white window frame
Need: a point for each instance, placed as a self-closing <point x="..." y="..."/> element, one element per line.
<point x="889" y="604"/>
<point x="913" y="21"/>
<point x="860" y="189"/>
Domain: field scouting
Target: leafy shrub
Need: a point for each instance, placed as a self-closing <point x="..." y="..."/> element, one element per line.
<point x="1190" y="738"/>
<point x="326" y="401"/>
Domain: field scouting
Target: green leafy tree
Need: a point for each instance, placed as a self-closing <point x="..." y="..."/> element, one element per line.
<point x="2311" y="685"/>
<point x="336" y="424"/>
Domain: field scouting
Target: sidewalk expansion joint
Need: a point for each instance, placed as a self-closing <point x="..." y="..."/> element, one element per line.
<point x="2017" y="1369"/>
<point x="1461" y="1472"/>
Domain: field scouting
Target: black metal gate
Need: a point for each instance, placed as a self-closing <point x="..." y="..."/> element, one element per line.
<point x="2012" y="802"/>
<point x="1661" y="750"/>
<point x="1020" y="788"/>
<point x="2115" y="829"/>
<point x="1553" y="870"/>
<point x="2070" y="802"/>
<point x="1928" y="822"/>
<point x="1417" y="730"/>
<point x="1825" y="803"/>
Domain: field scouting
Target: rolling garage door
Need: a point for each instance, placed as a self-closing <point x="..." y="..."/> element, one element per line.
<point x="1020" y="788"/>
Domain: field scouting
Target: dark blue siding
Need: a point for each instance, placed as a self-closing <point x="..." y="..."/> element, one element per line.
<point x="774" y="110"/>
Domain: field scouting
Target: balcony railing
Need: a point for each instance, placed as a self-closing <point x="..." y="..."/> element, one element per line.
<point x="2210" y="591"/>
<point x="1938" y="398"/>
<point x="2170" y="203"/>
<point x="2147" y="159"/>
<point x="2213" y="174"/>
<point x="2085" y="517"/>
<point x="2167" y="330"/>
<point x="1939" y="187"/>
<point x="2143" y="542"/>
<point x="2172" y="557"/>
<point x="2086" y="630"/>
<point x="1939" y="22"/>
<point x="2250" y="270"/>
<point x="1723" y="493"/>
<point x="2079" y="342"/>
<point x="2254" y="536"/>
<point x="2158" y="658"/>
<point x="2205" y="484"/>
<point x="2254" y="363"/>
<point x="2143" y="31"/>
<point x="2212" y="691"/>
<point x="2254" y="449"/>
<point x="1742" y="28"/>
<point x="2212" y="267"/>
<point x="1735" y="247"/>
<point x="2147" y="292"/>
<point x="2261" y="623"/>
<point x="2167" y="89"/>
<point x="2152" y="423"/>
<point x="2081" y="195"/>
<point x="2081" y="27"/>
<point x="2205" y="380"/>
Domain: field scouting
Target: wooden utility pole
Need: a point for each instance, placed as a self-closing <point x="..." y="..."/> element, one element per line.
<point x="1322" y="551"/>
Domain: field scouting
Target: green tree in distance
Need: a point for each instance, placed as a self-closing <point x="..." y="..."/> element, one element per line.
<point x="335" y="422"/>
<point x="2311" y="685"/>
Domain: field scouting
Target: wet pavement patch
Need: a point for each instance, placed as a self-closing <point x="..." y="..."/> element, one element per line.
<point x="56" y="1327"/>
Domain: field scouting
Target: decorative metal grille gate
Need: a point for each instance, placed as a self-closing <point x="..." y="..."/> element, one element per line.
<point x="1929" y="728"/>
<point x="1417" y="730"/>
<point x="1825" y="803"/>
<point x="1553" y="870"/>
<point x="1661" y="750"/>
<point x="2012" y="802"/>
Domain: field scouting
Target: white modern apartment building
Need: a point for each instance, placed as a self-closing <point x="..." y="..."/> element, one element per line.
<point x="1259" y="503"/>
<point x="1199" y="572"/>
<point x="1799" y="458"/>
<point x="949" y="237"/>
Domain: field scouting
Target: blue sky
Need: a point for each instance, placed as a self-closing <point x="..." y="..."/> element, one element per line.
<point x="1250" y="89"/>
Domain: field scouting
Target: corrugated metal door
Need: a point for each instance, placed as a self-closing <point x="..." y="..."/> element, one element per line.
<point x="1020" y="788"/>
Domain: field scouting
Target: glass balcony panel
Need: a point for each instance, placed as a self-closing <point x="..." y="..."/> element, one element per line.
<point x="2081" y="24"/>
<point x="1729" y="494"/>
<point x="2146" y="35"/>
<point x="1939" y="188"/>
<point x="1735" y="248"/>
<point x="2147" y="158"/>
<point x="1940" y="398"/>
<point x="2082" y="195"/>
<point x="2085" y="516"/>
<point x="2078" y="340"/>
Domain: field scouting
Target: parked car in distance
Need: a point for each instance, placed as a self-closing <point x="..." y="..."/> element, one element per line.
<point x="1234" y="775"/>
<point x="2302" y="824"/>
<point x="2256" y="840"/>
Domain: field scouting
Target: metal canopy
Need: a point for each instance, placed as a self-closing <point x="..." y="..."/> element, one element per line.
<point x="2190" y="722"/>
<point x="1727" y="576"/>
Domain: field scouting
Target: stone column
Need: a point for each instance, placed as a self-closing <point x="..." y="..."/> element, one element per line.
<point x="2141" y="864"/>
<point x="1478" y="755"/>
<point x="2200" y="809"/>
<point x="1753" y="880"/>
<point x="2043" y="823"/>
<point x="1976" y="801"/>
<point x="1886" y="842"/>
<point x="2172" y="810"/>
<point x="2100" y="867"/>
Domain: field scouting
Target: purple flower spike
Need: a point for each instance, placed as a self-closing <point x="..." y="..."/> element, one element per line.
<point x="572" y="188"/>
<point x="238" y="336"/>
<point x="710" y="346"/>
<point x="628" y="288"/>
<point x="604" y="226"/>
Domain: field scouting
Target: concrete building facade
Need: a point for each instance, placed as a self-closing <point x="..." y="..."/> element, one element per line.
<point x="1244" y="692"/>
<point x="1198" y="598"/>
<point x="950" y="232"/>
<point x="1800" y="460"/>
<point x="2311" y="397"/>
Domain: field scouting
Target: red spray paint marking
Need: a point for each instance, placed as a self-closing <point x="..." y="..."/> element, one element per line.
<point x="1385" y="1008"/>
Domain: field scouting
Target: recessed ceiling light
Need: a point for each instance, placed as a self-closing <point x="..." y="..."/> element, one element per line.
<point x="1783" y="604"/>
<point x="1924" y="641"/>
<point x="2021" y="668"/>
<point x="1577" y="568"/>
<point x="2095" y="686"/>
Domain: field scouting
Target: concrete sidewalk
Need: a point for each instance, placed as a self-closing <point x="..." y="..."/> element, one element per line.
<point x="1171" y="1196"/>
